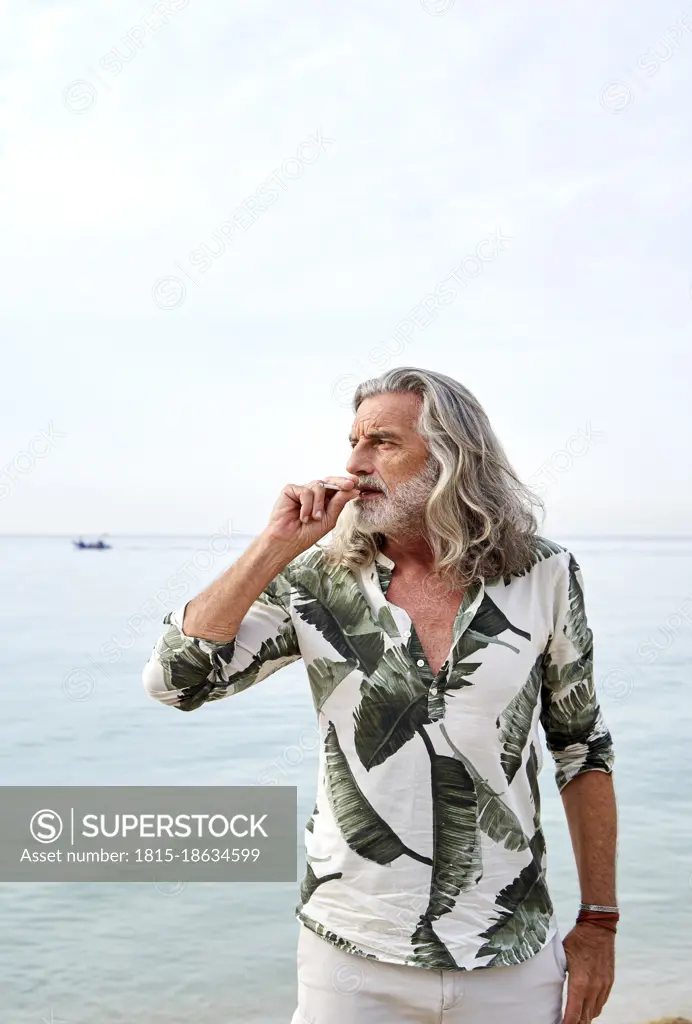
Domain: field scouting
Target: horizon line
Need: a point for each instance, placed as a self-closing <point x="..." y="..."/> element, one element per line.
<point x="242" y="533"/>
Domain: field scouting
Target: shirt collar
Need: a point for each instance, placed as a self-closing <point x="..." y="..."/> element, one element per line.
<point x="382" y="570"/>
<point x="388" y="564"/>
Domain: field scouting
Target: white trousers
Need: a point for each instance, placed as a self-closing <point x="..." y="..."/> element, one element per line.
<point x="335" y="987"/>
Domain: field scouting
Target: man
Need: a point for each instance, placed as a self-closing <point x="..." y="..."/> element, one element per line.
<point x="438" y="629"/>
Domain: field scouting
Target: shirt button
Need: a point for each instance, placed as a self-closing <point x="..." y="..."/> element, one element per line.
<point x="420" y="662"/>
<point x="433" y="690"/>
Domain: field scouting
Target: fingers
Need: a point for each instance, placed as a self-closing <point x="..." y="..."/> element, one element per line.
<point x="307" y="497"/>
<point x="313" y="497"/>
<point x="336" y="500"/>
<point x="593" y="1003"/>
<point x="575" y="1006"/>
<point x="343" y="481"/>
<point x="581" y="1010"/>
<point x="601" y="1000"/>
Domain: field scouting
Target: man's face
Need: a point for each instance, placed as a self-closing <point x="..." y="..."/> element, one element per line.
<point x="391" y="457"/>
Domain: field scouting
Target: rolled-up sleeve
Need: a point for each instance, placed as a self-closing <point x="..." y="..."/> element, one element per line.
<point x="576" y="733"/>
<point x="186" y="672"/>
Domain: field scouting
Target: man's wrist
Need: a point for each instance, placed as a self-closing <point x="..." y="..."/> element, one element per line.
<point x="597" y="928"/>
<point x="600" y="916"/>
<point x="277" y="552"/>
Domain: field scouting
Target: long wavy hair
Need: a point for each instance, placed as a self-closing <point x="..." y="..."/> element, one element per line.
<point x="479" y="519"/>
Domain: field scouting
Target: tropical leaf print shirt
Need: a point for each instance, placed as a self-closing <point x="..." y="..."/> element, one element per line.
<point x="425" y="845"/>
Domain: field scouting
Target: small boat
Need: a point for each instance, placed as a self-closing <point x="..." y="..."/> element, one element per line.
<point x="93" y="545"/>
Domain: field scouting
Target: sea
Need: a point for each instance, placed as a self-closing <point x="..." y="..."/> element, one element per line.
<point x="77" y="628"/>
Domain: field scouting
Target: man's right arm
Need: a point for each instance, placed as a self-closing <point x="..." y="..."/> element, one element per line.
<point x="239" y="630"/>
<point x="231" y="636"/>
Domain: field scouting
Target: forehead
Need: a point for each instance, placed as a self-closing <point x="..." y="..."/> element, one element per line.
<point x="394" y="414"/>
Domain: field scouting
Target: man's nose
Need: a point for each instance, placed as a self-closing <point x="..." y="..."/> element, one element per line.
<point x="359" y="464"/>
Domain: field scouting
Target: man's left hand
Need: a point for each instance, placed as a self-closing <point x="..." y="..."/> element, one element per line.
<point x="590" y="952"/>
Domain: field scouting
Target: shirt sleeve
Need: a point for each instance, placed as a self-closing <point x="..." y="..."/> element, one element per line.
<point x="576" y="734"/>
<point x="186" y="671"/>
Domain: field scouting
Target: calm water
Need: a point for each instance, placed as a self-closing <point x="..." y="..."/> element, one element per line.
<point x="216" y="953"/>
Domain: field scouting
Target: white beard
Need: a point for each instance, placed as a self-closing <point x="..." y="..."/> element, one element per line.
<point x="399" y="511"/>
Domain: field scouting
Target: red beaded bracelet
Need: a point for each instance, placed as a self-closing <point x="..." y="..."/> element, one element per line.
<point x="607" y="920"/>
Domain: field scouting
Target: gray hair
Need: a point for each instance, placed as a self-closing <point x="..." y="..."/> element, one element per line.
<point x="479" y="518"/>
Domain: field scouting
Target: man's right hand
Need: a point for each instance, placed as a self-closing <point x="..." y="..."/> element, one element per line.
<point x="304" y="513"/>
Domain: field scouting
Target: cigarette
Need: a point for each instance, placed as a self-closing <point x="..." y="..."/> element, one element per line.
<point x="334" y="487"/>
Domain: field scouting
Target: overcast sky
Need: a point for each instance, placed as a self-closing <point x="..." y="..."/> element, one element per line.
<point x="217" y="217"/>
